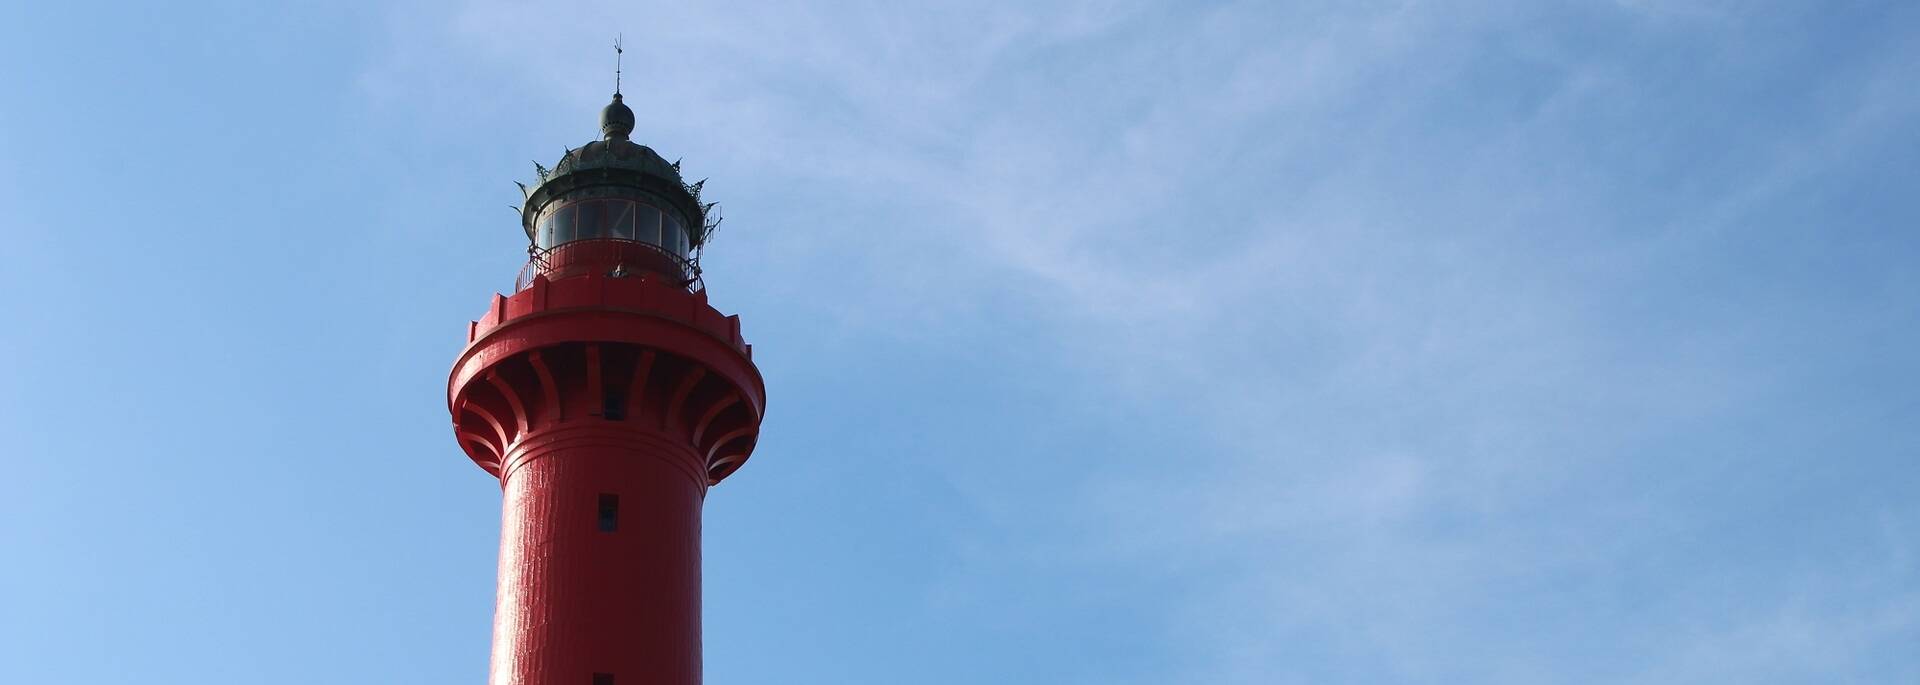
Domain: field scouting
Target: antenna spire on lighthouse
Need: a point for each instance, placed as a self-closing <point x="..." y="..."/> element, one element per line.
<point x="616" y="121"/>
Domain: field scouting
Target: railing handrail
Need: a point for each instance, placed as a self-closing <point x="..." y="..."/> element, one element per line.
<point x="541" y="261"/>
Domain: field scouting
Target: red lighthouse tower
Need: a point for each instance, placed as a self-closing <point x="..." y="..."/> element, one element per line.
<point x="607" y="396"/>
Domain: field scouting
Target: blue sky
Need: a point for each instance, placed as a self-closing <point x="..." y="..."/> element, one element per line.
<point x="1106" y="342"/>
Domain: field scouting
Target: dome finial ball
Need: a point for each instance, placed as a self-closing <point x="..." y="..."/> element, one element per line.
<point x="616" y="121"/>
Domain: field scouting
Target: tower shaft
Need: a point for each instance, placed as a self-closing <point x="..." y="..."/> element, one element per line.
<point x="599" y="558"/>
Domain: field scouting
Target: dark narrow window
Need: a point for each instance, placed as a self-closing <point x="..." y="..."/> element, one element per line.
<point x="603" y="679"/>
<point x="613" y="407"/>
<point x="609" y="512"/>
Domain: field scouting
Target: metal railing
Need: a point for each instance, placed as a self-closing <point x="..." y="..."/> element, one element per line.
<point x="614" y="257"/>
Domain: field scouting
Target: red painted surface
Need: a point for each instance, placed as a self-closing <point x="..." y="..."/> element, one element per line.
<point x="587" y="386"/>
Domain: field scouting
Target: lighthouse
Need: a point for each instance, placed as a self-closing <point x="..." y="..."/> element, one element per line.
<point x="608" y="397"/>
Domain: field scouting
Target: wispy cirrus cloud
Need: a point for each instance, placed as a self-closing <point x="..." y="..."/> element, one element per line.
<point x="1447" y="302"/>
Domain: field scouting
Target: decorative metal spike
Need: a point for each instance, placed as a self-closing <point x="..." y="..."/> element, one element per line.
<point x="540" y="169"/>
<point x="524" y="192"/>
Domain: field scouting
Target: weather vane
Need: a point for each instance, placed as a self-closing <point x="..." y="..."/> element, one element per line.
<point x="617" y="54"/>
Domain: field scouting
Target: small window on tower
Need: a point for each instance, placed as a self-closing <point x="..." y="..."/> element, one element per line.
<point x="603" y="679"/>
<point x="609" y="514"/>
<point x="613" y="405"/>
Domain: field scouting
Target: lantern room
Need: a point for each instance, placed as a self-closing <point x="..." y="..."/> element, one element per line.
<point x="616" y="207"/>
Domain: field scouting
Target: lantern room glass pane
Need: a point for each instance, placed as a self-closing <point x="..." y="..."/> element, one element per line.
<point x="621" y="226"/>
<point x="670" y="236"/>
<point x="646" y="224"/>
<point x="562" y="225"/>
<point x="592" y="217"/>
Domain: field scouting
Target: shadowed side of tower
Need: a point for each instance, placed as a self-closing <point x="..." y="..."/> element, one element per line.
<point x="607" y="396"/>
